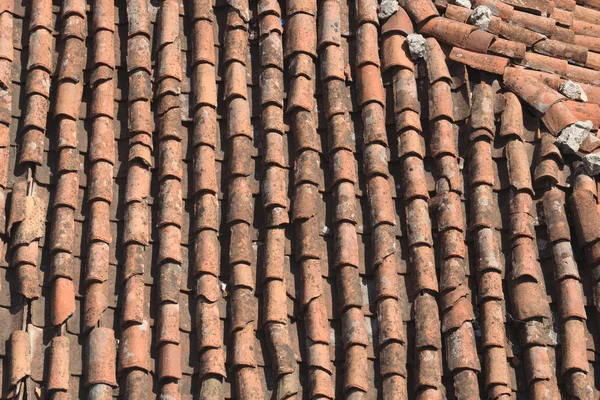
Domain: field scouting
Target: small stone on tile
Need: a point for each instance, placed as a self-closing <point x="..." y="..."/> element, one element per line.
<point x="387" y="8"/>
<point x="573" y="91"/>
<point x="462" y="3"/>
<point x="481" y="17"/>
<point x="591" y="162"/>
<point x="417" y="45"/>
<point x="571" y="138"/>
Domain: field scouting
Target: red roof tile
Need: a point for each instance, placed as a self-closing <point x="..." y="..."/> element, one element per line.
<point x="235" y="199"/>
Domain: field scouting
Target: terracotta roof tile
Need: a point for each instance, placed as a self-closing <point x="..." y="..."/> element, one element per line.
<point x="419" y="10"/>
<point x="58" y="377"/>
<point x="309" y="202"/>
<point x="346" y="247"/>
<point x="456" y="315"/>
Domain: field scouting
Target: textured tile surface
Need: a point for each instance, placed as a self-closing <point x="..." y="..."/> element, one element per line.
<point x="299" y="199"/>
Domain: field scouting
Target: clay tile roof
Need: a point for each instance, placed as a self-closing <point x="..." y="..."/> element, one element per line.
<point x="237" y="199"/>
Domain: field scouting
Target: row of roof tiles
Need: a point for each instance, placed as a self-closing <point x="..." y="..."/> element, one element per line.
<point x="457" y="325"/>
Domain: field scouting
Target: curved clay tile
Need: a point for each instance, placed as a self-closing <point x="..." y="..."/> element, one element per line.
<point x="6" y="100"/>
<point x="575" y="369"/>
<point x="345" y="177"/>
<point x="556" y="46"/>
<point x="456" y="309"/>
<point x="206" y="207"/>
<point x="526" y="280"/>
<point x="585" y="215"/>
<point x="39" y="67"/>
<point x="423" y="232"/>
<point x="490" y="267"/>
<point x="65" y="201"/>
<point x="244" y="316"/>
<point x="135" y="336"/>
<point x="419" y="10"/>
<point x="170" y="203"/>
<point x="411" y="149"/>
<point x="101" y="344"/>
<point x="27" y="218"/>
<point x="482" y="62"/>
<point x="20" y="356"/>
<point x="275" y="200"/>
<point x="58" y="376"/>
<point x="61" y="273"/>
<point x="391" y="341"/>
<point x="299" y="49"/>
